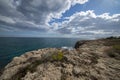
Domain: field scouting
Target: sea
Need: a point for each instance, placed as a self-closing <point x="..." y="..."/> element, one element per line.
<point x="16" y="46"/>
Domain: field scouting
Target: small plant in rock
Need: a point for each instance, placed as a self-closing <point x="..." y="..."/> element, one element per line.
<point x="111" y="54"/>
<point x="57" y="56"/>
<point x="94" y="58"/>
<point x="116" y="48"/>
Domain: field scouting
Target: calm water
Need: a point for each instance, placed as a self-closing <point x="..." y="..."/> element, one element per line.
<point x="11" y="47"/>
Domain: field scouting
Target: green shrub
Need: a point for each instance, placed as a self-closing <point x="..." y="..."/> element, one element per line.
<point x="55" y="55"/>
<point x="94" y="58"/>
<point x="58" y="56"/>
<point x="112" y="42"/>
<point x="111" y="54"/>
<point x="116" y="48"/>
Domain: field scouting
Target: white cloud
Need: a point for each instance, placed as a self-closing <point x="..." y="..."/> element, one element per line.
<point x="7" y="19"/>
<point x="99" y="32"/>
<point x="78" y="2"/>
<point x="36" y="15"/>
<point x="88" y="23"/>
<point x="31" y="14"/>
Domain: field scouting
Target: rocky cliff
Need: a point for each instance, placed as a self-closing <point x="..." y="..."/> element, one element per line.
<point x="90" y="60"/>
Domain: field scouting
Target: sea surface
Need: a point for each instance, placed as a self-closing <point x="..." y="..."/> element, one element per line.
<point x="14" y="46"/>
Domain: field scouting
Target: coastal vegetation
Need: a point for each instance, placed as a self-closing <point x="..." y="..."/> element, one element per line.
<point x="58" y="56"/>
<point x="114" y="44"/>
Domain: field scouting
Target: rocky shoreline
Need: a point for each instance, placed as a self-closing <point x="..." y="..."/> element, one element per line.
<point x="90" y="60"/>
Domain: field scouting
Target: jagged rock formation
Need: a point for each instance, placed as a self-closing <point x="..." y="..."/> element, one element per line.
<point x="90" y="61"/>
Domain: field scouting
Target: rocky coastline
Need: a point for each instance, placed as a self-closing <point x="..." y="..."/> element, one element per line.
<point x="89" y="60"/>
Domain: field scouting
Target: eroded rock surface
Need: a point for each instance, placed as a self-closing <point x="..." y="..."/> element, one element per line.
<point x="89" y="62"/>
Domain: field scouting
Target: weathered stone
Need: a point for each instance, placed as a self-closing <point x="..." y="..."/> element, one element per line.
<point x="88" y="62"/>
<point x="79" y="43"/>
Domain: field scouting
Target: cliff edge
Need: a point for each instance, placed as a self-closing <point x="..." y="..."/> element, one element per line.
<point x="90" y="60"/>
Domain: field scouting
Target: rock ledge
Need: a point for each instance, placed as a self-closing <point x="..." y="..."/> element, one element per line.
<point x="89" y="61"/>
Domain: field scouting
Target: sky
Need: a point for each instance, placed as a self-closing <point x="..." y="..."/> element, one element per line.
<point x="60" y="18"/>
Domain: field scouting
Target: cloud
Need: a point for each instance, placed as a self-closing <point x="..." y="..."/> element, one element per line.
<point x="7" y="19"/>
<point x="88" y="23"/>
<point x="78" y="1"/>
<point x="35" y="15"/>
<point x="27" y="14"/>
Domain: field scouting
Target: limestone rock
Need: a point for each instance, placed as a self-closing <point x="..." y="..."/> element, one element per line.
<point x="89" y="62"/>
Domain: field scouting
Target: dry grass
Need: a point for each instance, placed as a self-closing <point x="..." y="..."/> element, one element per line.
<point x="114" y="44"/>
<point x="117" y="48"/>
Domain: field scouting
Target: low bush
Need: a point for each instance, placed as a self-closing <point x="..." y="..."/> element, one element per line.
<point x="58" y="56"/>
<point x="116" y="48"/>
<point x="111" y="54"/>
